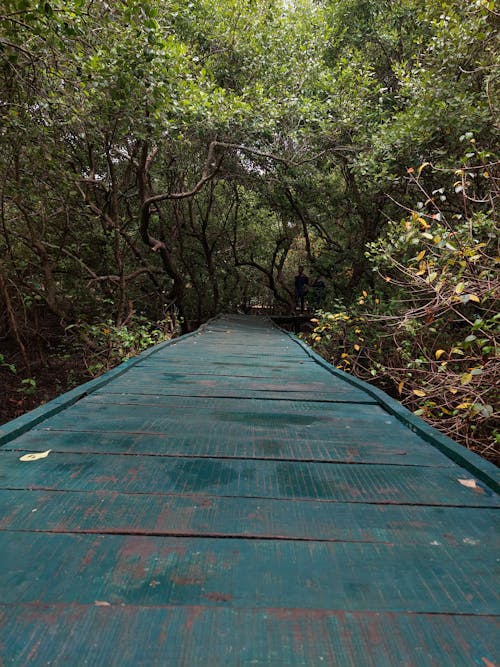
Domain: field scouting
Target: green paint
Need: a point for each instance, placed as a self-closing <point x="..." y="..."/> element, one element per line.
<point x="232" y="499"/>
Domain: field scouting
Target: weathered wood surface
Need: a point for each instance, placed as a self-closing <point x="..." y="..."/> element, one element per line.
<point x="227" y="500"/>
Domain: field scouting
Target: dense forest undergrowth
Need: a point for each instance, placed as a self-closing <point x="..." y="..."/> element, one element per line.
<point x="162" y="162"/>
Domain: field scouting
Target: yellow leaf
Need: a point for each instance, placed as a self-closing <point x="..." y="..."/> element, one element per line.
<point x="452" y="390"/>
<point x="419" y="392"/>
<point x="343" y="355"/>
<point x="421" y="255"/>
<point x="35" y="457"/>
<point x="439" y="353"/>
<point x="464" y="406"/>
<point x="422" y="167"/>
<point x="465" y="378"/>
<point x="317" y="338"/>
<point x="459" y="288"/>
<point x="357" y="348"/>
<point x="315" y="320"/>
<point x="473" y="297"/>
<point x="365" y="294"/>
<point x="400" y="386"/>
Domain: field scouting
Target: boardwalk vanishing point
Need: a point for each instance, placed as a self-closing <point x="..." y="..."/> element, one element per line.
<point x="228" y="498"/>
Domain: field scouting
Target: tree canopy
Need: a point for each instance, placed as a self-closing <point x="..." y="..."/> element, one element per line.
<point x="166" y="161"/>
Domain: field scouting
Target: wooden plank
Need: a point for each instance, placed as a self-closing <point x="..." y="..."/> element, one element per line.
<point x="40" y="635"/>
<point x="147" y="514"/>
<point x="245" y="478"/>
<point x="294" y="420"/>
<point x="67" y="568"/>
<point x="235" y="442"/>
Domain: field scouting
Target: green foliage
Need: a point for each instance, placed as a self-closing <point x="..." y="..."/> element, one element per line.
<point x="429" y="332"/>
<point x="5" y="364"/>
<point x="106" y="344"/>
<point x="28" y="386"/>
<point x="329" y="116"/>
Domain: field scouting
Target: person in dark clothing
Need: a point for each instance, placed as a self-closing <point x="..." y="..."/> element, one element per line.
<point x="301" y="283"/>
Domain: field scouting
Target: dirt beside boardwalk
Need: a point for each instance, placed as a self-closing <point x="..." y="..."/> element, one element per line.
<point x="20" y="392"/>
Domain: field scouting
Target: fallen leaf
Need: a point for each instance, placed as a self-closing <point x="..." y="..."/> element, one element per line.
<point x="471" y="484"/>
<point x="439" y="353"/>
<point x="419" y="392"/>
<point x="422" y="166"/>
<point x="35" y="457"/>
<point x="465" y="378"/>
<point x="102" y="603"/>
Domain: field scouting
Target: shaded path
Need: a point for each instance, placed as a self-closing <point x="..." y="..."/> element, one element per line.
<point x="227" y="500"/>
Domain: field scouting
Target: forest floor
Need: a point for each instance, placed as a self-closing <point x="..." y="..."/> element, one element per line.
<point x="21" y="393"/>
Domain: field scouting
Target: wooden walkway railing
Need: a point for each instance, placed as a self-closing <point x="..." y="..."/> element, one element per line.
<point x="231" y="499"/>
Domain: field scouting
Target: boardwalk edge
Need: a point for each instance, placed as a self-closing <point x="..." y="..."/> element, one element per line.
<point x="16" y="427"/>
<point x="481" y="468"/>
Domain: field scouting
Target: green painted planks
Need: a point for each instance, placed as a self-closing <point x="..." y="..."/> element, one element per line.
<point x="307" y="388"/>
<point x="201" y="636"/>
<point x="242" y="443"/>
<point x="241" y="530"/>
<point x="245" y="478"/>
<point x="201" y="390"/>
<point x="138" y="570"/>
<point x="295" y="420"/>
<point x="111" y="512"/>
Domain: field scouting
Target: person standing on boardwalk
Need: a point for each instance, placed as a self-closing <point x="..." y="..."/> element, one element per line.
<point x="301" y="283"/>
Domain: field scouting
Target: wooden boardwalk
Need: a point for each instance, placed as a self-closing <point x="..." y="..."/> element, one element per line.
<point x="230" y="499"/>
